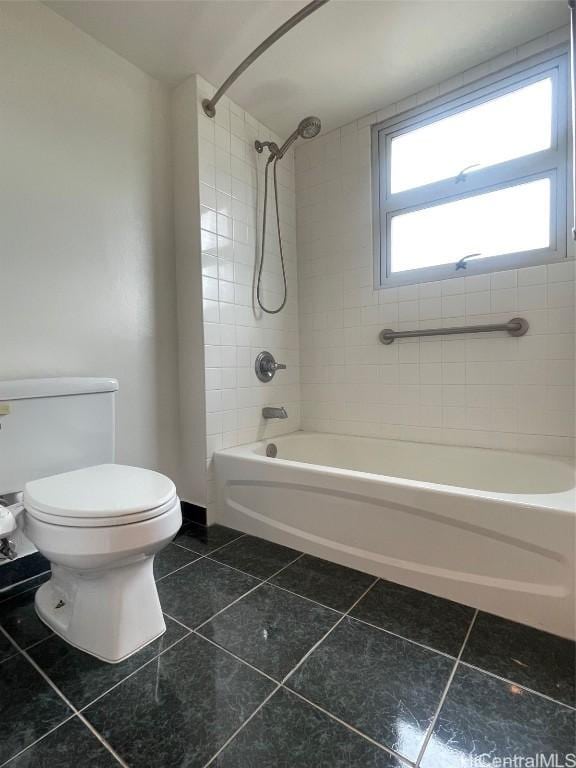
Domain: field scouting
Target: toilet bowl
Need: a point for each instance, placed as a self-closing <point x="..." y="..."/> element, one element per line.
<point x="100" y="528"/>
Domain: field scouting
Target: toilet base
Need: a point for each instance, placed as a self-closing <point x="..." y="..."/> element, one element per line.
<point x="110" y="614"/>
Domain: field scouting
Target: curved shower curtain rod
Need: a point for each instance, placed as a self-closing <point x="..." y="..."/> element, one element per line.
<point x="209" y="105"/>
<point x="572" y="6"/>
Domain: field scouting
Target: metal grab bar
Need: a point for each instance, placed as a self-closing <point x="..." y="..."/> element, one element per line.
<point x="209" y="105"/>
<point x="515" y="327"/>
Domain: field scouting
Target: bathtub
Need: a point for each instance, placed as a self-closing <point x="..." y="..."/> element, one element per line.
<point x="491" y="529"/>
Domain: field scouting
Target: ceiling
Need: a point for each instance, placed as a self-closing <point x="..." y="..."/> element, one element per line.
<point x="349" y="58"/>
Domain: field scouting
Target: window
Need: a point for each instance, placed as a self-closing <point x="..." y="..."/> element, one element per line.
<point x="475" y="183"/>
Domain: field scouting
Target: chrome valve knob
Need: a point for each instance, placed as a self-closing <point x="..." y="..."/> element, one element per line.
<point x="266" y="366"/>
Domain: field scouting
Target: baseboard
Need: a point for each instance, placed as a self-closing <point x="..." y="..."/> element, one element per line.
<point x="193" y="512"/>
<point x="21" y="569"/>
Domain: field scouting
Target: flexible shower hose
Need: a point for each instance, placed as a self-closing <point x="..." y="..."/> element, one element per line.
<point x="272" y="159"/>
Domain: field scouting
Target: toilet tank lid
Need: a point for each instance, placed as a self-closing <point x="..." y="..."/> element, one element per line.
<point x="105" y="490"/>
<point x="24" y="389"/>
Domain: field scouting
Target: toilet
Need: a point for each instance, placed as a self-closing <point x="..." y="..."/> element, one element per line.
<point x="99" y="524"/>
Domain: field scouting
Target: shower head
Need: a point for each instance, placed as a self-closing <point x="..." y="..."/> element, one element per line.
<point x="308" y="128"/>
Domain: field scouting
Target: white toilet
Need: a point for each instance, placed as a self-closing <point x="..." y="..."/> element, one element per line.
<point x="99" y="523"/>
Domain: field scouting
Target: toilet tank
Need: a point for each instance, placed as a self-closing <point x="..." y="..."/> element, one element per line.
<point x="49" y="426"/>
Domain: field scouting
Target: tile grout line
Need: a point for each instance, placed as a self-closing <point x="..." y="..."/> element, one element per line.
<point x="309" y="599"/>
<point x="260" y="583"/>
<point x="232" y="567"/>
<point x="342" y="617"/>
<point x="295" y="693"/>
<point x="303" y="597"/>
<point x="199" y="556"/>
<point x="403" y="637"/>
<point x="238" y="658"/>
<point x="320" y="605"/>
<point x="176" y="621"/>
<point x="242" y="726"/>
<point x="352" y="728"/>
<point x="272" y="576"/>
<point x="299" y="695"/>
<point x="75" y="711"/>
<point x="280" y="685"/>
<point x="189" y="632"/>
<point x="267" y="579"/>
<point x="135" y="671"/>
<point x="445" y="693"/>
<point x="340" y="620"/>
<point x="533" y="691"/>
<point x="37" y="741"/>
<point x="242" y="596"/>
<point x="28" y="647"/>
<point x="353" y="618"/>
<point x="78" y="713"/>
<point x="180" y="568"/>
<point x="206" y="554"/>
<point x="101" y="739"/>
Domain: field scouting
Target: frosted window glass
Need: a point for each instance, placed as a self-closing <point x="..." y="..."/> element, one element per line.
<point x="510" y="126"/>
<point x="510" y="220"/>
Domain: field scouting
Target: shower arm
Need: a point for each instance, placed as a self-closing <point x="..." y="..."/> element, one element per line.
<point x="209" y="105"/>
<point x="275" y="150"/>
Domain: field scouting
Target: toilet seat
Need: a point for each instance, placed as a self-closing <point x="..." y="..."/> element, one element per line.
<point x="101" y="496"/>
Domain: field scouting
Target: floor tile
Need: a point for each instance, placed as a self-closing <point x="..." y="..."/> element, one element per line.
<point x="198" y="591"/>
<point x="18" y="617"/>
<point x="440" y="624"/>
<point x="527" y="656"/>
<point x="257" y="557"/>
<point x="70" y="746"/>
<point x="204" y="540"/>
<point x="271" y="629"/>
<point x="327" y="583"/>
<point x="171" y="558"/>
<point x="7" y="650"/>
<point x="289" y="733"/>
<point x="82" y="677"/>
<point x="29" y="707"/>
<point x="180" y="709"/>
<point x="383" y="685"/>
<point x="484" y="718"/>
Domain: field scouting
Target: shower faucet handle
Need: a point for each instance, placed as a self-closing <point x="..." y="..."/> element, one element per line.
<point x="266" y="366"/>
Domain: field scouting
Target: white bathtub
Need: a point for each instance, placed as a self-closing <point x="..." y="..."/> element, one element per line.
<point x="491" y="529"/>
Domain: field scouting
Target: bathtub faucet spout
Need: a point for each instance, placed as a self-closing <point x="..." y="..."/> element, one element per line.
<point x="274" y="413"/>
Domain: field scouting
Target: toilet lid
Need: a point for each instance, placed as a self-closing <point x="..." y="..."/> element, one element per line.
<point x="104" y="491"/>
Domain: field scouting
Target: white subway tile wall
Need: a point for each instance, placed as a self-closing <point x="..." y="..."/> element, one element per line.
<point x="489" y="390"/>
<point x="231" y="195"/>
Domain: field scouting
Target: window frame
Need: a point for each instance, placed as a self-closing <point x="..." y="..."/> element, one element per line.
<point x="550" y="163"/>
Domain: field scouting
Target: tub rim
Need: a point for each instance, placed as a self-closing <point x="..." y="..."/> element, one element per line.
<point x="558" y="501"/>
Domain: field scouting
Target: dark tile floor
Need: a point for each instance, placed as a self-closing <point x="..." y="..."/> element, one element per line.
<point x="274" y="659"/>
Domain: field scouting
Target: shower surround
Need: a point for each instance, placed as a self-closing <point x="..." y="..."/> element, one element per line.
<point x="228" y="211"/>
<point x="497" y="392"/>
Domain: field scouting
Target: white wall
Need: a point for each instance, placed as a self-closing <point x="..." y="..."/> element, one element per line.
<point x="86" y="261"/>
<point x="192" y="410"/>
<point x="235" y="329"/>
<point x="498" y="392"/>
